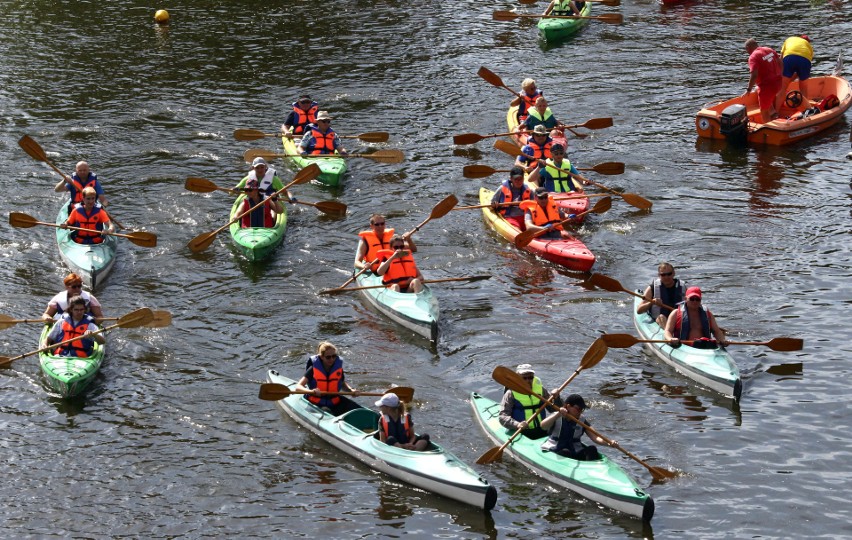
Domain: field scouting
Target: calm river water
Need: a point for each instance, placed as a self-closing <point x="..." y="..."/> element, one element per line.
<point x="171" y="441"/>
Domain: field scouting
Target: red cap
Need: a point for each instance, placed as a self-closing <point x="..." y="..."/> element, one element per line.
<point x="693" y="291"/>
<point x="806" y="38"/>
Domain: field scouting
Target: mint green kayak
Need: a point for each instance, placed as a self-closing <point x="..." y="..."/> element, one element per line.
<point x="434" y="470"/>
<point x="333" y="168"/>
<point x="713" y="368"/>
<point x="602" y="481"/>
<point x="69" y="375"/>
<point x="559" y="29"/>
<point x="257" y="243"/>
<point x="92" y="262"/>
<point x="418" y="312"/>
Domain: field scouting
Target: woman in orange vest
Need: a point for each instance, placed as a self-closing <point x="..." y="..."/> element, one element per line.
<point x="398" y="270"/>
<point x="90" y="217"/>
<point x="543" y="213"/>
<point x="323" y="374"/>
<point x="396" y="427"/>
<point x="75" y="324"/>
<point x="375" y="239"/>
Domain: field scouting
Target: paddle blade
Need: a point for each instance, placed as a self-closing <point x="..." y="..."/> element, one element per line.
<point x="142" y="238"/>
<point x="273" y="391"/>
<point x="386" y="156"/>
<point x="786" y="344"/>
<point x="443" y="208"/>
<point x="490" y="76"/>
<point x="602" y="206"/>
<point x="135" y="319"/>
<point x="404" y="393"/>
<point x="494" y="454"/>
<point x="332" y="208"/>
<point x="659" y="473"/>
<point x="32" y="148"/>
<point x="251" y="134"/>
<point x="637" y="201"/>
<point x="199" y="185"/>
<point x="7" y="322"/>
<point x="161" y="319"/>
<point x="511" y="380"/>
<point x="524" y="238"/>
<point x="606" y="283"/>
<point x="202" y="242"/>
<point x="22" y="220"/>
<point x="507" y="147"/>
<point x="595" y="353"/>
<point x="478" y="171"/>
<point x="467" y="138"/>
<point x="374" y="136"/>
<point x="610" y="18"/>
<point x="251" y="153"/>
<point x="609" y="168"/>
<point x="619" y="341"/>
<point x="504" y="16"/>
<point x="306" y="175"/>
<point x="596" y="123"/>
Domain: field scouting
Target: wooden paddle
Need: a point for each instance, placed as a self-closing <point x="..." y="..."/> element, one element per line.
<point x="593" y="356"/>
<point x="134" y="319"/>
<point x="516" y="383"/>
<point x="632" y="199"/>
<point x="140" y="238"/>
<point x="612" y="3"/>
<point x="203" y="241"/>
<point x="203" y="185"/>
<point x="516" y="203"/>
<point x="35" y="151"/>
<point x="382" y="156"/>
<point x="275" y="392"/>
<point x="161" y="319"/>
<point x="524" y="238"/>
<point x="481" y="171"/>
<point x="350" y="280"/>
<point x="609" y="284"/>
<point x="473" y="138"/>
<point x="783" y="344"/>
<point x="609" y="18"/>
<point x="442" y="280"/>
<point x="592" y="123"/>
<point x="438" y="211"/>
<point x="253" y="135"/>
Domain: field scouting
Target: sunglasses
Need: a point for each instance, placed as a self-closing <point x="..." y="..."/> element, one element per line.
<point x="528" y="377"/>
<point x="76" y="286"/>
<point x="666" y="274"/>
<point x="329" y="356"/>
<point x="694" y="299"/>
<point x="381" y="224"/>
<point x="324" y="121"/>
<point x="399" y="246"/>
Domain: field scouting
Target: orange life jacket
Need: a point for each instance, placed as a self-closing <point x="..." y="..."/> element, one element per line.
<point x="374" y="245"/>
<point x="326" y="382"/>
<point x="82" y="348"/>
<point x="323" y="142"/>
<point x="259" y="217"/>
<point x="539" y="152"/>
<point x="526" y="195"/>
<point x="543" y="216"/>
<point x="95" y="221"/>
<point x="303" y="118"/>
<point x="385" y="423"/>
<point x="526" y="104"/>
<point x="401" y="271"/>
<point x="78" y="185"/>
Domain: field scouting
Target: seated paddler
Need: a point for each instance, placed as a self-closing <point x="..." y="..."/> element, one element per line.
<point x="74" y="323"/>
<point x="398" y="269"/>
<point x="324" y="378"/>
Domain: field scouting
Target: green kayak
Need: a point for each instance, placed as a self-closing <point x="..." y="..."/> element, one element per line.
<point x="601" y="481"/>
<point x="69" y="375"/>
<point x="713" y="368"/>
<point x="333" y="168"/>
<point x="417" y="312"/>
<point x="559" y="29"/>
<point x="92" y="262"/>
<point x="257" y="243"/>
<point x="434" y="470"/>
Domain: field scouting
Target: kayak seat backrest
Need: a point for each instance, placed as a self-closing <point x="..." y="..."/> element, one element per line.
<point x="363" y="419"/>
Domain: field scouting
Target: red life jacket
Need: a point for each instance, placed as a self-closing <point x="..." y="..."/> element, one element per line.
<point x="374" y="245"/>
<point x="80" y="347"/>
<point x="401" y="271"/>
<point x="526" y="195"/>
<point x="682" y="330"/>
<point x="526" y="104"/>
<point x="326" y="382"/>
<point x="544" y="216"/>
<point x="385" y="423"/>
<point x="303" y="118"/>
<point x="259" y="217"/>
<point x="78" y="218"/>
<point x="323" y="142"/>
<point x="78" y="185"/>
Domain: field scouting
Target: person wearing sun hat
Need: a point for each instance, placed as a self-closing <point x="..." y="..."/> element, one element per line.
<point x="797" y="53"/>
<point x="564" y="433"/>
<point x="320" y="139"/>
<point x="396" y="427"/>
<point x="303" y="113"/>
<point x="692" y="322"/>
<point x="536" y="149"/>
<point x="518" y="411"/>
<point x="267" y="179"/>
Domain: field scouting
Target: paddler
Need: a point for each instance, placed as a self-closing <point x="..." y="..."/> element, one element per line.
<point x="692" y="322"/>
<point x="526" y="98"/>
<point x="548" y="175"/>
<point x="538" y="147"/>
<point x="320" y="139"/>
<point x="517" y="410"/>
<point x="377" y="238"/>
<point x="512" y="190"/>
<point x="303" y="113"/>
<point x="541" y="114"/>
<point x="565" y="8"/>
<point x="267" y="179"/>
<point x="90" y="216"/>
<point x="545" y="214"/>
<point x="398" y="270"/>
<point x="74" y="323"/>
<point x="564" y="433"/>
<point x="665" y="290"/>
<point x="81" y="177"/>
<point x="263" y="216"/>
<point x="324" y="373"/>
<point x="59" y="303"/>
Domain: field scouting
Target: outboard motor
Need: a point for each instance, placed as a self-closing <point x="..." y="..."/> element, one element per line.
<point x="733" y="123"/>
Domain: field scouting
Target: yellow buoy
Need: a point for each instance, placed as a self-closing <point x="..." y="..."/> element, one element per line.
<point x="161" y="16"/>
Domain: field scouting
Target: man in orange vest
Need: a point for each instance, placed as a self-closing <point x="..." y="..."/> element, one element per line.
<point x="93" y="218"/>
<point x="74" y="323"/>
<point x="375" y="239"/>
<point x="320" y="139"/>
<point x="543" y="213"/>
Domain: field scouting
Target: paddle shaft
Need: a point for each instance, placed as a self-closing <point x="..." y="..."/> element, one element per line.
<point x="515" y="203"/>
<point x="377" y="260"/>
<point x="441" y="280"/>
<point x="523" y="239"/>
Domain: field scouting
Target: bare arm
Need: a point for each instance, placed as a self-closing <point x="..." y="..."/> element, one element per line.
<point x="646" y="304"/>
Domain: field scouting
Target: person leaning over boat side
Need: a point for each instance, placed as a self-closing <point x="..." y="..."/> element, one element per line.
<point x="512" y="190"/>
<point x="540" y="114"/>
<point x="666" y="289"/>
<point x="797" y="53"/>
<point x="303" y="112"/>
<point x="764" y="65"/>
<point x="692" y="322"/>
<point x="82" y="177"/>
<point x="324" y="373"/>
<point x="564" y="433"/>
<point x="377" y="238"/>
<point x="73" y="287"/>
<point x="320" y="139"/>
<point x="91" y="216"/>
<point x="553" y="180"/>
<point x="74" y="323"/>
<point x="396" y="427"/>
<point x="543" y="213"/>
<point x="263" y="216"/>
<point x="267" y="179"/>
<point x="564" y="7"/>
<point x="517" y="410"/>
<point x="398" y="270"/>
<point x="537" y="148"/>
<point x="526" y="98"/>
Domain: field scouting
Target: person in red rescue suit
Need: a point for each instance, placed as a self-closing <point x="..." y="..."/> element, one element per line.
<point x="89" y="216"/>
<point x="74" y="323"/>
<point x="537" y="149"/>
<point x="263" y="216"/>
<point x="396" y="427"/>
<point x="82" y="177"/>
<point x="690" y="321"/>
<point x="517" y="411"/>
<point x="375" y="239"/>
<point x="526" y="99"/>
<point x="324" y="373"/>
<point x="398" y="269"/>
<point x="543" y="213"/>
<point x="320" y="138"/>
<point x="765" y="70"/>
<point x="304" y="112"/>
<point x="512" y="190"/>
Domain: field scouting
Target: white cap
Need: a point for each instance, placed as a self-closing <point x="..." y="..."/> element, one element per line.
<point x="524" y="368"/>
<point x="258" y="161"/>
<point x="388" y="400"/>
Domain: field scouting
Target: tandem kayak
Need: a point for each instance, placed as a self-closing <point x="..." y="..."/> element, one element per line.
<point x="713" y="368"/>
<point x="69" y="375"/>
<point x="602" y="481"/>
<point x="418" y="312"/>
<point x="92" y="262"/>
<point x="571" y="206"/>
<point x="257" y="243"/>
<point x="434" y="470"/>
<point x="332" y="168"/>
<point x="570" y="253"/>
<point x="559" y="29"/>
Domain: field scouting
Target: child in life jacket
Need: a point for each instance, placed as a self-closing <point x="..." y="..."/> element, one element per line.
<point x="396" y="427"/>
